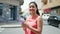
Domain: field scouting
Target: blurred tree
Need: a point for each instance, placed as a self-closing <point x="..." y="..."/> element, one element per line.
<point x="21" y="12"/>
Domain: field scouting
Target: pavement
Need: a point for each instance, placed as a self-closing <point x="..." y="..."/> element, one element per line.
<point x="47" y="29"/>
<point x="10" y="24"/>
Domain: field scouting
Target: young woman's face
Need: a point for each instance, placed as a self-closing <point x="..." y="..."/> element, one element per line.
<point x="32" y="8"/>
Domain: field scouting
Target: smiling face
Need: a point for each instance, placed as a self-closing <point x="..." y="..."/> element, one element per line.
<point x="32" y="8"/>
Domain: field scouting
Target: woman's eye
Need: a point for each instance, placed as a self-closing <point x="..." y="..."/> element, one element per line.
<point x="31" y="6"/>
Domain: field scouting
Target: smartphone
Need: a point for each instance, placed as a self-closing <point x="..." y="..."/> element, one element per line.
<point x="21" y="20"/>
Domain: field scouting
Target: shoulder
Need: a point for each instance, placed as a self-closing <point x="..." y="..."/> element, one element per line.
<point x="39" y="18"/>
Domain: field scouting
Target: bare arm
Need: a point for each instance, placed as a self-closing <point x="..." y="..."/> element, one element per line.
<point x="39" y="26"/>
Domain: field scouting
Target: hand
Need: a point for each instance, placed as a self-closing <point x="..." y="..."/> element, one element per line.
<point x="25" y="25"/>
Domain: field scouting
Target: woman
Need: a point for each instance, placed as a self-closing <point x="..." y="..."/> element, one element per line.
<point x="33" y="24"/>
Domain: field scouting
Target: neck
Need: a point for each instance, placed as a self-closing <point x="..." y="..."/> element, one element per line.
<point x="34" y="16"/>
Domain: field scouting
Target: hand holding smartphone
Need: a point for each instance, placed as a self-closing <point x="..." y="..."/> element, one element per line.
<point x="21" y="20"/>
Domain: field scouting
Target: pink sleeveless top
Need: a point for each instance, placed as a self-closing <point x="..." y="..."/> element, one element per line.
<point x="32" y="23"/>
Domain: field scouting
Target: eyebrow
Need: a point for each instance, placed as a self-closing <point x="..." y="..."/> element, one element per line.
<point x="32" y="5"/>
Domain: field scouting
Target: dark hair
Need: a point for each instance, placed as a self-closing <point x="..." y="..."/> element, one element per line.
<point x="37" y="11"/>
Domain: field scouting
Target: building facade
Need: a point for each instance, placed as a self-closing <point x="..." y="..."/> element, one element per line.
<point x="51" y="6"/>
<point x="9" y="9"/>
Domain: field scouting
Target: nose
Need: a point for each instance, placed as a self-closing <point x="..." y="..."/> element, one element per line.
<point x="31" y="9"/>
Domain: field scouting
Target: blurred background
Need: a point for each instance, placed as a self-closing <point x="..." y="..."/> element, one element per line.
<point x="12" y="10"/>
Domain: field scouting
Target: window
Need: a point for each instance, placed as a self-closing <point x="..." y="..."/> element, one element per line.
<point x="0" y="11"/>
<point x="45" y="1"/>
<point x="58" y="12"/>
<point x="50" y="1"/>
<point x="1" y="8"/>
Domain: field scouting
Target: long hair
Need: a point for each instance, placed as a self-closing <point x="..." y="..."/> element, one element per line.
<point x="37" y="11"/>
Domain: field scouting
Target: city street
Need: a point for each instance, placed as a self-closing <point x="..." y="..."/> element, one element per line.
<point x="16" y="29"/>
<point x="11" y="12"/>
